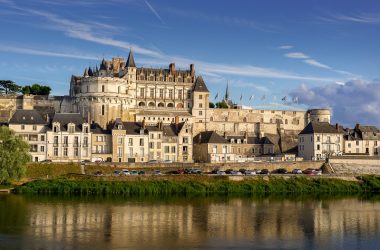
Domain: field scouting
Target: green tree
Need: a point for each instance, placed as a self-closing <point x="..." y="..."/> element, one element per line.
<point x="211" y="105"/>
<point x="8" y="86"/>
<point x="221" y="105"/>
<point x="14" y="154"/>
<point x="36" y="89"/>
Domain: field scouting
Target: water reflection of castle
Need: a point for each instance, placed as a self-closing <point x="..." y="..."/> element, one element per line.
<point x="236" y="220"/>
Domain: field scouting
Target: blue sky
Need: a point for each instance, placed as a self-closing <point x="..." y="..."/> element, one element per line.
<point x="324" y="53"/>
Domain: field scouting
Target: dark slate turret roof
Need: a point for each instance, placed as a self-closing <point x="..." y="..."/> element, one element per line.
<point x="27" y="117"/>
<point x="200" y="85"/>
<point x="320" y="127"/>
<point x="131" y="60"/>
<point x="209" y="137"/>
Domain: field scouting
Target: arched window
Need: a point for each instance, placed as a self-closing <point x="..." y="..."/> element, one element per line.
<point x="226" y="119"/>
<point x="245" y="119"/>
<point x="151" y="104"/>
<point x="179" y="105"/>
<point x="161" y="105"/>
<point x="170" y="105"/>
<point x="141" y="104"/>
<point x="211" y="119"/>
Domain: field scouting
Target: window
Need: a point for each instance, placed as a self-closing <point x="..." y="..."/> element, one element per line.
<point x="55" y="140"/>
<point x="76" y="141"/>
<point x="200" y="97"/>
<point x="159" y="136"/>
<point x="318" y="147"/>
<point x="119" y="152"/>
<point x="103" y="88"/>
<point x="141" y="151"/>
<point x="85" y="141"/>
<point x="130" y="152"/>
<point x="173" y="149"/>
<point x="224" y="149"/>
<point x="71" y="128"/>
<point x="34" y="127"/>
<point x="120" y="140"/>
<point x="66" y="140"/>
<point x="152" y="136"/>
<point x="185" y="140"/>
<point x="214" y="149"/>
<point x="170" y="94"/>
<point x="151" y="93"/>
<point x="141" y="142"/>
<point x="42" y="148"/>
<point x="151" y="144"/>
<point x="85" y="129"/>
<point x="166" y="149"/>
<point x="200" y="105"/>
<point x="318" y="138"/>
<point x="158" y="145"/>
<point x="42" y="138"/>
<point x="161" y="93"/>
<point x="103" y="110"/>
<point x="184" y="149"/>
<point x="189" y="94"/>
<point x="349" y="145"/>
<point x="180" y="94"/>
<point x="357" y="143"/>
<point x="55" y="151"/>
<point x="142" y="92"/>
<point x="130" y="142"/>
<point x="22" y="127"/>
<point x="65" y="152"/>
<point x="76" y="152"/>
<point x="200" y="112"/>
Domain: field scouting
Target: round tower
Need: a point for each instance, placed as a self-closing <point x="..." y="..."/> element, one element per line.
<point x="319" y="115"/>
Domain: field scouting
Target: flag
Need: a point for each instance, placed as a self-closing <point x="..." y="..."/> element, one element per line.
<point x="216" y="96"/>
<point x="295" y="99"/>
<point x="252" y="97"/>
<point x="284" y="99"/>
<point x="241" y="97"/>
<point x="263" y="97"/>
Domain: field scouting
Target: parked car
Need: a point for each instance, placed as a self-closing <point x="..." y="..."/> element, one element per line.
<point x="134" y="172"/>
<point x="157" y="172"/>
<point x="243" y="170"/>
<point x="167" y="161"/>
<point x="195" y="171"/>
<point x="264" y="171"/>
<point x="236" y="173"/>
<point x="296" y="171"/>
<point x="309" y="171"/>
<point x="125" y="172"/>
<point x="250" y="172"/>
<point x="117" y="173"/>
<point x="141" y="172"/>
<point x="281" y="171"/>
<point x="228" y="171"/>
<point x="85" y="161"/>
<point x="153" y="161"/>
<point x="215" y="171"/>
<point x="221" y="172"/>
<point x="46" y="161"/>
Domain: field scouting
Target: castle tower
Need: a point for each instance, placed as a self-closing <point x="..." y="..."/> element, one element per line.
<point x="319" y="115"/>
<point x="200" y="101"/>
<point x="130" y="66"/>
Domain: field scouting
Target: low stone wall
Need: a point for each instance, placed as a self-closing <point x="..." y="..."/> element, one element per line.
<point x="210" y="166"/>
<point x="355" y="165"/>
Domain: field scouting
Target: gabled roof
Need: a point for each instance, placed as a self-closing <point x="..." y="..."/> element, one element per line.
<point x="209" y="137"/>
<point x="200" y="85"/>
<point x="251" y="140"/>
<point x="320" y="128"/>
<point x="27" y="117"/>
<point x="96" y="129"/>
<point x="131" y="60"/>
<point x="65" y="118"/>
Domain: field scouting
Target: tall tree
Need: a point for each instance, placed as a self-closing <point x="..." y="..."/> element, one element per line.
<point x="8" y="86"/>
<point x="36" y="89"/>
<point x="14" y="154"/>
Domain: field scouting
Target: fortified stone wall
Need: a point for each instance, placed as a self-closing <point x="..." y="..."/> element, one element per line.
<point x="8" y="105"/>
<point x="357" y="165"/>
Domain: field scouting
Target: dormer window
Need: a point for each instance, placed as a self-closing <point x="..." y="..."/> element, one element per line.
<point x="232" y="140"/>
<point x="56" y="128"/>
<point x="245" y="141"/>
<point x="71" y="128"/>
<point x="85" y="128"/>
<point x="119" y="126"/>
<point x="238" y="141"/>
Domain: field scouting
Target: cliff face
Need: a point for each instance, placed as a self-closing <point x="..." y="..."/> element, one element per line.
<point x="8" y="105"/>
<point x="284" y="141"/>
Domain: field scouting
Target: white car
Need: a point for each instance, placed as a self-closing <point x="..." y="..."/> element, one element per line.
<point x="125" y="172"/>
<point x="250" y="172"/>
<point x="221" y="172"/>
<point x="297" y="171"/>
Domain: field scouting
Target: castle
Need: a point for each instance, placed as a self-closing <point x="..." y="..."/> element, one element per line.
<point x="118" y="90"/>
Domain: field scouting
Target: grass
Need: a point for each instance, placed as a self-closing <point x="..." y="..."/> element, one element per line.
<point x="198" y="185"/>
<point x="51" y="170"/>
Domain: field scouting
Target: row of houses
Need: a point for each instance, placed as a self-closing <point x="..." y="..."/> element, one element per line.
<point x="319" y="140"/>
<point x="66" y="137"/>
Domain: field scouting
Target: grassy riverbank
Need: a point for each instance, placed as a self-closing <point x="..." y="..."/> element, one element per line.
<point x="199" y="185"/>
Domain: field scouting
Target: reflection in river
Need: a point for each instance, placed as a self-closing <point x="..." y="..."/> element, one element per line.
<point x="167" y="223"/>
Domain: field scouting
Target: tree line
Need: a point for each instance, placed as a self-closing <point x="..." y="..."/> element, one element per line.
<point x="10" y="87"/>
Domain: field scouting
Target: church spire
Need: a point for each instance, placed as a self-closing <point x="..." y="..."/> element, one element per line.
<point x="131" y="60"/>
<point x="227" y="95"/>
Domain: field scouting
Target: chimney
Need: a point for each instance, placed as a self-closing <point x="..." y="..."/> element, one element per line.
<point x="337" y="126"/>
<point x="225" y="135"/>
<point x="172" y="68"/>
<point x="176" y="123"/>
<point x="357" y="126"/>
<point x="143" y="125"/>
<point x="192" y="70"/>
<point x="47" y="118"/>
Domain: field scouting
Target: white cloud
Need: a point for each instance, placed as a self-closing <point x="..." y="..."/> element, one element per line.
<point x="315" y="63"/>
<point x="285" y="47"/>
<point x="22" y="50"/>
<point x="296" y="55"/>
<point x="353" y="102"/>
<point x="364" y="18"/>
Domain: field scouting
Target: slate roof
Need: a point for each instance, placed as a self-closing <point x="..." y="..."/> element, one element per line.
<point x="209" y="137"/>
<point x="130" y="60"/>
<point x="65" y="118"/>
<point x="200" y="85"/>
<point x="320" y="127"/>
<point x="96" y="129"/>
<point x="27" y="117"/>
<point x="362" y="133"/>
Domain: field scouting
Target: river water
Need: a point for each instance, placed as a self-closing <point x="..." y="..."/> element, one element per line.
<point x="46" y="222"/>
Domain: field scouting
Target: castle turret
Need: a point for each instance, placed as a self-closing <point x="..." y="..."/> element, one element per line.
<point x="200" y="101"/>
<point x="319" y="115"/>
